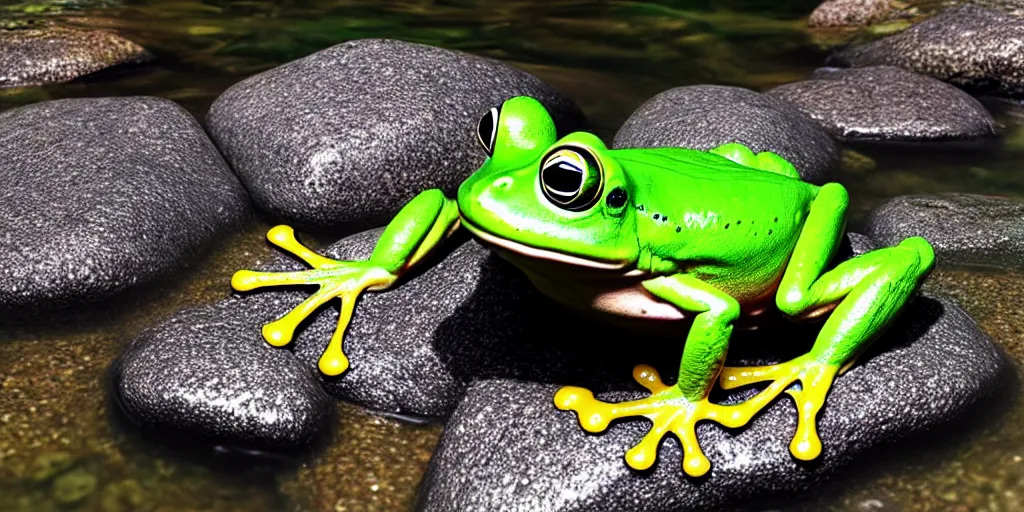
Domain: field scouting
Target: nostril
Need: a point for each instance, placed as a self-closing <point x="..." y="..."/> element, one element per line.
<point x="502" y="182"/>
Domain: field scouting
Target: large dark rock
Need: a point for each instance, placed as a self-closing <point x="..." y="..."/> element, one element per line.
<point x="347" y="135"/>
<point x="203" y="375"/>
<point x="888" y="103"/>
<point x="964" y="229"/>
<point x="105" y="195"/>
<point x="508" y="447"/>
<point x="969" y="46"/>
<point x="705" y="116"/>
<point x="52" y="54"/>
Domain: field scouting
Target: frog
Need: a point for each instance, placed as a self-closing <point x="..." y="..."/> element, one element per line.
<point x="657" y="235"/>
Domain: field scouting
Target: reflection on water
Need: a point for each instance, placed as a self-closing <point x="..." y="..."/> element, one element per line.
<point x="58" y="445"/>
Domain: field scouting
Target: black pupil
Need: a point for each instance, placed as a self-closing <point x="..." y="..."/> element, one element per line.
<point x="564" y="178"/>
<point x="486" y="130"/>
<point x="617" y="198"/>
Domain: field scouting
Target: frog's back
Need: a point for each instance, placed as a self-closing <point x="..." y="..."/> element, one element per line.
<point x="714" y="217"/>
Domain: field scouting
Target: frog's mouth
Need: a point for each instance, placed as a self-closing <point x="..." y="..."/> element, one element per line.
<point x="542" y="254"/>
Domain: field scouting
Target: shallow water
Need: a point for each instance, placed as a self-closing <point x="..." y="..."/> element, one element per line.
<point x="608" y="56"/>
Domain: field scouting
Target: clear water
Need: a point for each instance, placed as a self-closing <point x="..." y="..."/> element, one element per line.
<point x="610" y="56"/>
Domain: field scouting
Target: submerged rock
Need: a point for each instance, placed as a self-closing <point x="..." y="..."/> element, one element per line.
<point x="964" y="229"/>
<point x="105" y="195"/>
<point x="890" y="104"/>
<point x="347" y="135"/>
<point x="968" y="46"/>
<point x="47" y="55"/>
<point x="508" y="447"/>
<point x="206" y="374"/>
<point x="855" y="13"/>
<point x="705" y="116"/>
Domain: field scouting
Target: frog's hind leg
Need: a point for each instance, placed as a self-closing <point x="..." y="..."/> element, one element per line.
<point x="868" y="292"/>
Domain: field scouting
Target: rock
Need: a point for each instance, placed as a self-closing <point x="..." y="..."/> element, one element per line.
<point x="890" y="104"/>
<point x="964" y="229"/>
<point x="508" y="447"/>
<point x="206" y="375"/>
<point x="74" y="486"/>
<point x="854" y="13"/>
<point x="52" y="54"/>
<point x="105" y="195"/>
<point x="968" y="46"/>
<point x="347" y="135"/>
<point x="705" y="116"/>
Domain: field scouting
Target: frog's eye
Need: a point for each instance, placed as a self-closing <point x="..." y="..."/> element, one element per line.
<point x="571" y="178"/>
<point x="487" y="130"/>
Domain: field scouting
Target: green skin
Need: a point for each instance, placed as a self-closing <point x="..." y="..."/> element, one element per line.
<point x="664" y="234"/>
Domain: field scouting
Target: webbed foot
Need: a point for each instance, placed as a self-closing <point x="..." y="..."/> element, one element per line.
<point x="336" y="279"/>
<point x="815" y="380"/>
<point x="666" y="408"/>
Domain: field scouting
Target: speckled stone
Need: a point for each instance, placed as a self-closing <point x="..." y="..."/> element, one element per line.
<point x="37" y="56"/>
<point x="968" y="46"/>
<point x="202" y="375"/>
<point x="105" y="195"/>
<point x="890" y="104"/>
<point x="854" y="13"/>
<point x="347" y="135"/>
<point x="507" y="447"/>
<point x="705" y="116"/>
<point x="964" y="229"/>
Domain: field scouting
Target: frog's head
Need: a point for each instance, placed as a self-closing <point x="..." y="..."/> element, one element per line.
<point x="564" y="200"/>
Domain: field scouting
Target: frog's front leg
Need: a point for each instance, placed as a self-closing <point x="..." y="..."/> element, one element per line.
<point x="675" y="408"/>
<point x="866" y="292"/>
<point x="419" y="227"/>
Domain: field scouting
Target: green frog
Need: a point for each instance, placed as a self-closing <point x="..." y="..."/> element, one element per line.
<point x="657" y="235"/>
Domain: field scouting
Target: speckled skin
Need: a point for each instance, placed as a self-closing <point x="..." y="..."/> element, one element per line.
<point x="888" y="103"/>
<point x="59" y="54"/>
<point x="968" y="46"/>
<point x="349" y="134"/>
<point x="105" y="195"/>
<point x="503" y="450"/>
<point x="706" y="116"/>
<point x="202" y="374"/>
<point x="853" y="13"/>
<point x="965" y="229"/>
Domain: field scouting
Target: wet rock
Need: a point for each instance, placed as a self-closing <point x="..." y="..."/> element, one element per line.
<point x="705" y="116"/>
<point x="964" y="229"/>
<point x="890" y="104"/>
<point x="855" y="13"/>
<point x="52" y="54"/>
<point x="206" y="375"/>
<point x="74" y="486"/>
<point x="968" y="46"/>
<point x="508" y="447"/>
<point x="347" y="135"/>
<point x="105" y="195"/>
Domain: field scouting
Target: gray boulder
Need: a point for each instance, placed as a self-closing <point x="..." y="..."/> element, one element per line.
<point x="102" y="196"/>
<point x="202" y="375"/>
<point x="705" y="116"/>
<point x="968" y="46"/>
<point x="854" y="13"/>
<point x="964" y="229"/>
<point x="888" y="103"/>
<point x="507" y="447"/>
<point x="53" y="54"/>
<point x="347" y="135"/>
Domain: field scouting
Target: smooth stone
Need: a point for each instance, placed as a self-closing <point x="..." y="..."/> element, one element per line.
<point x="854" y="13"/>
<point x="964" y="229"/>
<point x="508" y="447"/>
<point x="344" y="137"/>
<point x="887" y="103"/>
<point x="205" y="375"/>
<point x="704" y="116"/>
<point x="49" y="55"/>
<point x="969" y="46"/>
<point x="102" y="196"/>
